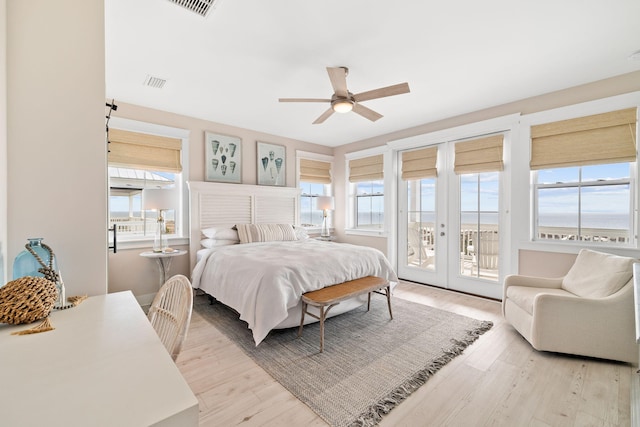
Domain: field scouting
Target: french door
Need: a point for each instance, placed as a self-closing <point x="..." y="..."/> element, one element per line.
<point x="448" y="228"/>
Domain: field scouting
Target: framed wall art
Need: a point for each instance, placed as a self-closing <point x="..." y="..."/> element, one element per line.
<point x="223" y="157"/>
<point x="271" y="164"/>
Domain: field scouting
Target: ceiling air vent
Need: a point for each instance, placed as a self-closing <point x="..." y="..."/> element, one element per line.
<point x="155" y="82"/>
<point x="201" y="7"/>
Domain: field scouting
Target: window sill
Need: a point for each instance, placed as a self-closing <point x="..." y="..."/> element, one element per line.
<point x="574" y="246"/>
<point x="363" y="232"/>
<point x="315" y="231"/>
<point x="147" y="243"/>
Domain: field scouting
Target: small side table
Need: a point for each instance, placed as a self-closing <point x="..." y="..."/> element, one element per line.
<point x="164" y="261"/>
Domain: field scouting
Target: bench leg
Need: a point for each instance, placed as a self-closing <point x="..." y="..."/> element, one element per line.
<point x="389" y="301"/>
<point x="322" y="316"/>
<point x="368" y="301"/>
<point x="304" y="310"/>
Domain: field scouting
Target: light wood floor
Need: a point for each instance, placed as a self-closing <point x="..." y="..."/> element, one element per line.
<point x="499" y="380"/>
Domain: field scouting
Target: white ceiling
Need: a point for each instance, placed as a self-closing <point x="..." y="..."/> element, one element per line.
<point x="457" y="56"/>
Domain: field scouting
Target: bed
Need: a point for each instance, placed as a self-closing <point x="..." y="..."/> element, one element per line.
<point x="264" y="280"/>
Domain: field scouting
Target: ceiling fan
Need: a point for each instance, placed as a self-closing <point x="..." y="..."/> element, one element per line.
<point x="344" y="101"/>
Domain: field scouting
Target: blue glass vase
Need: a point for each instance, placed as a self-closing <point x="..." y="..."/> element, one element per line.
<point x="26" y="264"/>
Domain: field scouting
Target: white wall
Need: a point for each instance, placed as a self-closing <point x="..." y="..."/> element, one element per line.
<point x="56" y="142"/>
<point x="3" y="141"/>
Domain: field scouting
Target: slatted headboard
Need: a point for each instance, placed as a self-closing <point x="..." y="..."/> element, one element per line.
<point x="225" y="205"/>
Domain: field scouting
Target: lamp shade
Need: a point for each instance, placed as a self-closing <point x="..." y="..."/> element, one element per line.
<point x="324" y="202"/>
<point x="158" y="199"/>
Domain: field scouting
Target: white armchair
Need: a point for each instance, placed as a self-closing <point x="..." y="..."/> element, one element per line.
<point x="588" y="312"/>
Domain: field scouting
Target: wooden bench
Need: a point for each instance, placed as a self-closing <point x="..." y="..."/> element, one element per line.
<point x="328" y="297"/>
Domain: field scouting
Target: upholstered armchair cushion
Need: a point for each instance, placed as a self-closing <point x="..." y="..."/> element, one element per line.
<point x="524" y="297"/>
<point x="597" y="275"/>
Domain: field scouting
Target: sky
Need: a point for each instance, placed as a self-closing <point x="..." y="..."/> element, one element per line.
<point x="612" y="199"/>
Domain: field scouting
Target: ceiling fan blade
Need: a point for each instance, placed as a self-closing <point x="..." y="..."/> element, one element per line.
<point x="367" y="113"/>
<point x="324" y="116"/>
<point x="382" y="92"/>
<point x="338" y="77"/>
<point x="303" y="100"/>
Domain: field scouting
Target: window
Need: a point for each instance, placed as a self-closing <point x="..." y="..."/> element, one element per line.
<point x="126" y="201"/>
<point x="139" y="162"/>
<point x="419" y="169"/>
<point x="479" y="225"/>
<point x="370" y="204"/>
<point x="366" y="177"/>
<point x="583" y="186"/>
<point x="479" y="164"/>
<point x="585" y="203"/>
<point x="314" y="179"/>
<point x="309" y="215"/>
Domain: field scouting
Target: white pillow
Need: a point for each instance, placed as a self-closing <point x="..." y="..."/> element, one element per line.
<point x="212" y="243"/>
<point x="598" y="274"/>
<point x="221" y="233"/>
<point x="250" y="233"/>
<point x="301" y="233"/>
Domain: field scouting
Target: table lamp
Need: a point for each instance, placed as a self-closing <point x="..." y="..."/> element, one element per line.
<point x="159" y="200"/>
<point x="325" y="203"/>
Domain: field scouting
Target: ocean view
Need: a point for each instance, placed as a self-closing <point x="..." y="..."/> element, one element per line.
<point x="589" y="220"/>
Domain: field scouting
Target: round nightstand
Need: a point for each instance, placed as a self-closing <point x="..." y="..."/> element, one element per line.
<point x="164" y="261"/>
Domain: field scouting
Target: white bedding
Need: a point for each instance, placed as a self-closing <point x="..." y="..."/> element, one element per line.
<point x="263" y="281"/>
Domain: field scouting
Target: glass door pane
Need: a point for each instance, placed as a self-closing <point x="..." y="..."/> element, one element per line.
<point x="479" y="238"/>
<point x="421" y="210"/>
<point x="422" y="238"/>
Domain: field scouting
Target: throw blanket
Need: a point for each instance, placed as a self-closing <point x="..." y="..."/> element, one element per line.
<point x="262" y="281"/>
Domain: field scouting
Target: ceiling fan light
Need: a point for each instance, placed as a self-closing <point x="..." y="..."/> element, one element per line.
<point x="342" y="106"/>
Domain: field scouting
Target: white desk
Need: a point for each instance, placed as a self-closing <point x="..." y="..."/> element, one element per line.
<point x="103" y="365"/>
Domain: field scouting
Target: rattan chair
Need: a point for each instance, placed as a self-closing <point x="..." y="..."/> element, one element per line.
<point x="170" y="313"/>
<point x="420" y="239"/>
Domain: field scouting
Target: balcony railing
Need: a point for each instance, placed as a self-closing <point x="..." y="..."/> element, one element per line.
<point x="136" y="226"/>
<point x="586" y="234"/>
<point x="479" y="256"/>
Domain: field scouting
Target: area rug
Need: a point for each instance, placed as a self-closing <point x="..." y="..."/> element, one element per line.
<point x="370" y="363"/>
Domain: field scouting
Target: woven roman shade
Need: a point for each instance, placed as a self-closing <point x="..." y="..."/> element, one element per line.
<point x="144" y="151"/>
<point x="418" y="164"/>
<point x="315" y="171"/>
<point x="366" y="169"/>
<point x="479" y="155"/>
<point x="591" y="140"/>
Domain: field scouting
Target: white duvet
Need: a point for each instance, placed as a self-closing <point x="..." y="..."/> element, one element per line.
<point x="262" y="281"/>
